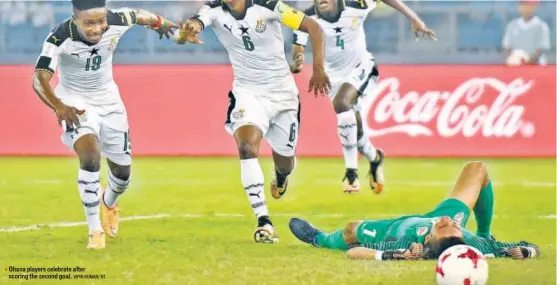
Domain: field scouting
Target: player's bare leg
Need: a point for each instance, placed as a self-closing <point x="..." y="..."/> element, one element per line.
<point x="88" y="183"/>
<point x="283" y="167"/>
<point x="343" y="104"/>
<point x="118" y="182"/>
<point x="373" y="155"/>
<point x="473" y="187"/>
<point x="248" y="139"/>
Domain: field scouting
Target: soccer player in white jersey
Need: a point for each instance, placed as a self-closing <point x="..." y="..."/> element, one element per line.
<point x="264" y="98"/>
<point x="353" y="73"/>
<point x="88" y="104"/>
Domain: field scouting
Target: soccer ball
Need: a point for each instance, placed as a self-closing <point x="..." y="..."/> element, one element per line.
<point x="518" y="57"/>
<point x="461" y="265"/>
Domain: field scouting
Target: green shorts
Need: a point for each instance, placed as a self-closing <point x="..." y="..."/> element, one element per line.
<point x="453" y="208"/>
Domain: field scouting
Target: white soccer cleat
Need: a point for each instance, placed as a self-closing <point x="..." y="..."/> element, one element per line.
<point x="265" y="234"/>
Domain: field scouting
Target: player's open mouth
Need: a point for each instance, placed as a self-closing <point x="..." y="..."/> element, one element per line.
<point x="323" y="4"/>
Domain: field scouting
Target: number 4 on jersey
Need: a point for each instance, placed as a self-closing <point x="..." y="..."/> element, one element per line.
<point x="340" y="43"/>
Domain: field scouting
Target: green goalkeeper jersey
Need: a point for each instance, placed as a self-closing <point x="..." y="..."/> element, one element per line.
<point x="394" y="234"/>
<point x="490" y="248"/>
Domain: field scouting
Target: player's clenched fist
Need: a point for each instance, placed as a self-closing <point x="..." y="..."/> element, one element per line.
<point x="68" y="115"/>
<point x="319" y="82"/>
<point x="188" y="32"/>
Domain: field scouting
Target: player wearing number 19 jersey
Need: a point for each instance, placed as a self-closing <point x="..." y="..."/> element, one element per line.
<point x="264" y="98"/>
<point x="427" y="235"/>
<point x="354" y="73"/>
<point x="88" y="104"/>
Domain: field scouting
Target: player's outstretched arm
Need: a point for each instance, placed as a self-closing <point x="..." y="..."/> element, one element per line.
<point x="152" y="21"/>
<point x="518" y="250"/>
<point x="403" y="248"/>
<point x="414" y="251"/>
<point x="188" y="32"/>
<point x="418" y="25"/>
<point x="193" y="26"/>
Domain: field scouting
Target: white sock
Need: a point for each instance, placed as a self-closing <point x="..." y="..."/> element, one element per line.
<point x="89" y="185"/>
<point x="366" y="148"/>
<point x="253" y="179"/>
<point x="116" y="187"/>
<point x="348" y="133"/>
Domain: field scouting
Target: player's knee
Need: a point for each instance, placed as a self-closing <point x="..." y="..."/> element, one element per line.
<point x="247" y="150"/>
<point x="121" y="172"/>
<point x="341" y="104"/>
<point x="477" y="167"/>
<point x="350" y="233"/>
<point x="90" y="161"/>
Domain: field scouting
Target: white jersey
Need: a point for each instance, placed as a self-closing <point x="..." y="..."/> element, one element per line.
<point x="256" y="47"/>
<point x="345" y="39"/>
<point x="85" y="69"/>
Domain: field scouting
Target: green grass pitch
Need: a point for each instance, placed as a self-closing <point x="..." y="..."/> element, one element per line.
<point x="203" y="231"/>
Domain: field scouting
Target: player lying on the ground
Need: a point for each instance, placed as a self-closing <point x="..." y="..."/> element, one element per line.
<point x="427" y="235"/>
<point x="88" y="104"/>
<point x="264" y="98"/>
<point x="353" y="73"/>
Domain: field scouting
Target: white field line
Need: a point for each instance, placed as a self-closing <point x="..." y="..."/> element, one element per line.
<point x="223" y="215"/>
<point x="117" y="1"/>
<point x="318" y="181"/>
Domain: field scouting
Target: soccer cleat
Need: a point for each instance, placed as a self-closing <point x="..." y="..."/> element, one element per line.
<point x="304" y="231"/>
<point x="351" y="181"/>
<point x="279" y="185"/>
<point x="97" y="240"/>
<point x="376" y="176"/>
<point x="111" y="217"/>
<point x="265" y="232"/>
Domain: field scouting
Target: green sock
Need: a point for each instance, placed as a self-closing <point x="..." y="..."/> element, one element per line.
<point x="484" y="211"/>
<point x="333" y="240"/>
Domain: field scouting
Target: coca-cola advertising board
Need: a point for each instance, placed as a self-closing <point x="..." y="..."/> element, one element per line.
<point x="422" y="110"/>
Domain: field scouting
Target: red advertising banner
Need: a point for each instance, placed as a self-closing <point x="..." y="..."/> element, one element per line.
<point x="420" y="110"/>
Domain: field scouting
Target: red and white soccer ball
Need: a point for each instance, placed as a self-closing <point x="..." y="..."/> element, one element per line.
<point x="461" y="265"/>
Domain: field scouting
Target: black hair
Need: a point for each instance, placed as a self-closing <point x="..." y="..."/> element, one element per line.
<point x="436" y="248"/>
<point x="88" y="4"/>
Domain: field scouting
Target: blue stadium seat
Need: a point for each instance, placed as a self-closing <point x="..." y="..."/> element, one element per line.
<point x="135" y="40"/>
<point x="60" y="17"/>
<point x="211" y="42"/>
<point x="19" y="38"/>
<point x="382" y="34"/>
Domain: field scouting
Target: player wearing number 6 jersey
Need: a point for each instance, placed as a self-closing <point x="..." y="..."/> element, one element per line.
<point x="353" y="74"/>
<point x="88" y="104"/>
<point x="264" y="98"/>
<point x="427" y="235"/>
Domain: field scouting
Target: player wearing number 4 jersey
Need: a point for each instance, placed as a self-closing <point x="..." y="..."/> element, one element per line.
<point x="427" y="235"/>
<point x="88" y="104"/>
<point x="353" y="74"/>
<point x="264" y="98"/>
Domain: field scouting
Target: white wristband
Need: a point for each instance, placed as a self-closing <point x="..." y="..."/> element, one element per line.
<point x="378" y="255"/>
